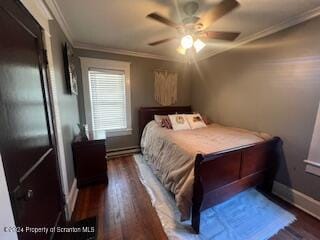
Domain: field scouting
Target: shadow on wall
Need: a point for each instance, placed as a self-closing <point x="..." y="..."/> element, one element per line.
<point x="282" y="168"/>
<point x="68" y="135"/>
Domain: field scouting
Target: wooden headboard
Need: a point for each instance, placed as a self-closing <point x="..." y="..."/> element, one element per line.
<point x="146" y="114"/>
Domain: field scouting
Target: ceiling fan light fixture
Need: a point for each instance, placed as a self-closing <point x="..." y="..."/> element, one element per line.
<point x="181" y="50"/>
<point x="198" y="45"/>
<point x="187" y="42"/>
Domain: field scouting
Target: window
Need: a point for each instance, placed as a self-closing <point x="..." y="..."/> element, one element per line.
<point x="106" y="86"/>
<point x="313" y="162"/>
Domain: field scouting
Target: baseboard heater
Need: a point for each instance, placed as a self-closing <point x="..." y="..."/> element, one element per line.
<point x="123" y="151"/>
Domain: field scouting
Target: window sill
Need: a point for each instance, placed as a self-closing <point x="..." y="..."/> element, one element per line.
<point x="312" y="167"/>
<point x="117" y="133"/>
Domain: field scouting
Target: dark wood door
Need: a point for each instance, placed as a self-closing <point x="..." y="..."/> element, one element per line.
<point x="27" y="142"/>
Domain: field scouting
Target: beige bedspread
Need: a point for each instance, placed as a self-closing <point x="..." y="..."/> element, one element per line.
<point x="171" y="154"/>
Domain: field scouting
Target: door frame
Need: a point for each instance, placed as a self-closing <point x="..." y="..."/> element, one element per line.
<point x="42" y="15"/>
<point x="6" y="217"/>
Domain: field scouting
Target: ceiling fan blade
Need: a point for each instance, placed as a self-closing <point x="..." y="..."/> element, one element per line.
<point x="161" y="41"/>
<point x="219" y="11"/>
<point x="164" y="20"/>
<point x="227" y="36"/>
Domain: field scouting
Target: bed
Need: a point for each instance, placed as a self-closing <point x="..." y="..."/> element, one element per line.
<point x="205" y="167"/>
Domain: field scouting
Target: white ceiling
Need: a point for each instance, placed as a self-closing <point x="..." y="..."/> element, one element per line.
<point x="122" y="24"/>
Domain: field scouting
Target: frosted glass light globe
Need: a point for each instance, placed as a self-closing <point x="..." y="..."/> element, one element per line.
<point x="187" y="42"/>
<point x="198" y="45"/>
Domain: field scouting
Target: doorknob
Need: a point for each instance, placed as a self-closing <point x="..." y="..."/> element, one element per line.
<point x="21" y="197"/>
<point x="26" y="196"/>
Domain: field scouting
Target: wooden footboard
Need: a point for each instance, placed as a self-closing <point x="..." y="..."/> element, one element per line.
<point x="221" y="175"/>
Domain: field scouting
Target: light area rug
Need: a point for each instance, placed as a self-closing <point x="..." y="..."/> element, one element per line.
<point x="247" y="216"/>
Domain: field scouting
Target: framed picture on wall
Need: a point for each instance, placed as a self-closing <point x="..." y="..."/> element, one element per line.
<point x="69" y="69"/>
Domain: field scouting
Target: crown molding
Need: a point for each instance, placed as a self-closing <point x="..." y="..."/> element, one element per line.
<point x="99" y="48"/>
<point x="267" y="31"/>
<point x="56" y="11"/>
<point x="43" y="8"/>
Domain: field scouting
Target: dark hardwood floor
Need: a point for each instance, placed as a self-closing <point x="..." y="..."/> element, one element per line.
<point x="123" y="207"/>
<point x="124" y="210"/>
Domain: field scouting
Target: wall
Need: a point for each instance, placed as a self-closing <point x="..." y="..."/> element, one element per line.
<point x="270" y="85"/>
<point x="68" y="104"/>
<point x="142" y="78"/>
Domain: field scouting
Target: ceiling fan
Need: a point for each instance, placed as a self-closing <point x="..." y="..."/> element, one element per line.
<point x="192" y="31"/>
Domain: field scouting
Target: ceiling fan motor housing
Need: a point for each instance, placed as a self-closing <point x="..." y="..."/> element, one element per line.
<point x="191" y="7"/>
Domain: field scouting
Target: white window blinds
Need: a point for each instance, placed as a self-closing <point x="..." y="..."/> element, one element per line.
<point x="108" y="99"/>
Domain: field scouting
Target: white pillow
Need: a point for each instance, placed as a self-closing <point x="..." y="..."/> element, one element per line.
<point x="195" y="121"/>
<point x="179" y="122"/>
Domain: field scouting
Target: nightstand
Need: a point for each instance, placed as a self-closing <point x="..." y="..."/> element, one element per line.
<point x="90" y="161"/>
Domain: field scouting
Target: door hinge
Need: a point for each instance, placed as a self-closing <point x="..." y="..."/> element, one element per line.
<point x="64" y="200"/>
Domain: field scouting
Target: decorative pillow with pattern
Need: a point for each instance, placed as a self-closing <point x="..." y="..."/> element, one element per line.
<point x="158" y="118"/>
<point x="179" y="122"/>
<point x="166" y="123"/>
<point x="206" y="120"/>
<point x="195" y="121"/>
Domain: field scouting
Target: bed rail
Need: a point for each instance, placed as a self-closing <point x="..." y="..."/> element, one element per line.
<point x="221" y="175"/>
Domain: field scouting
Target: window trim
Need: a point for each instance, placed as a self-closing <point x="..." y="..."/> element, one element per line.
<point x="106" y="64"/>
<point x="313" y="163"/>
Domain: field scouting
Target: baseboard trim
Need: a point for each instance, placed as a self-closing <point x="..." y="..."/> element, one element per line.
<point x="72" y="198"/>
<point x="297" y="199"/>
<point x="123" y="151"/>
